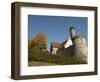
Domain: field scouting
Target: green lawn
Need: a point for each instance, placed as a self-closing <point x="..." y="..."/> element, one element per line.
<point x="39" y="63"/>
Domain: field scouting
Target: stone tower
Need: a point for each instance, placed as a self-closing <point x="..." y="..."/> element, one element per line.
<point x="72" y="32"/>
<point x="79" y="46"/>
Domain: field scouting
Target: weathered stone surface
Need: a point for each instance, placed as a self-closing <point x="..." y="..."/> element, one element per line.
<point x="80" y="48"/>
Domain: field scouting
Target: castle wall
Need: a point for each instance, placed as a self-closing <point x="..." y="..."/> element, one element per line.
<point x="68" y="51"/>
<point x="79" y="40"/>
<point x="80" y="49"/>
<point x="68" y="43"/>
<point x="54" y="51"/>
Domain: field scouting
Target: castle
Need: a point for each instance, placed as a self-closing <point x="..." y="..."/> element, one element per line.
<point x="74" y="46"/>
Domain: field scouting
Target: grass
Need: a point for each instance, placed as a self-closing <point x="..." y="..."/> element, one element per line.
<point x="39" y="63"/>
<point x="41" y="58"/>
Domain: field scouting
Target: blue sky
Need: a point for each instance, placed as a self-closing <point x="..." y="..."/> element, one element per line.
<point x="56" y="28"/>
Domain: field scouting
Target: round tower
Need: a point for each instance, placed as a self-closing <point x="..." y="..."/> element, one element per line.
<point x="72" y="32"/>
<point x="80" y="48"/>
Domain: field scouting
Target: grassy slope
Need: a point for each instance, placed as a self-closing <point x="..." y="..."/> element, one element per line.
<point x="39" y="63"/>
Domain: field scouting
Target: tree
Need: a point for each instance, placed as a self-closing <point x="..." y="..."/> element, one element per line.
<point x="29" y="44"/>
<point x="39" y="41"/>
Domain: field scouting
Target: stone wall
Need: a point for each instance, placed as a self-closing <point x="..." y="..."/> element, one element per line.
<point x="80" y="52"/>
<point x="68" y="51"/>
<point x="54" y="51"/>
<point x="80" y="49"/>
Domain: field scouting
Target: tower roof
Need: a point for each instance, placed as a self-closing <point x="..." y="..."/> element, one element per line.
<point x="72" y="27"/>
<point x="64" y="42"/>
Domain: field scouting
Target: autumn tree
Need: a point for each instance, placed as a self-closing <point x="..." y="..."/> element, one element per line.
<point x="39" y="41"/>
<point x="29" y="43"/>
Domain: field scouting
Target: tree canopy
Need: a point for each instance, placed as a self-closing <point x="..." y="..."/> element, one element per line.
<point x="39" y="41"/>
